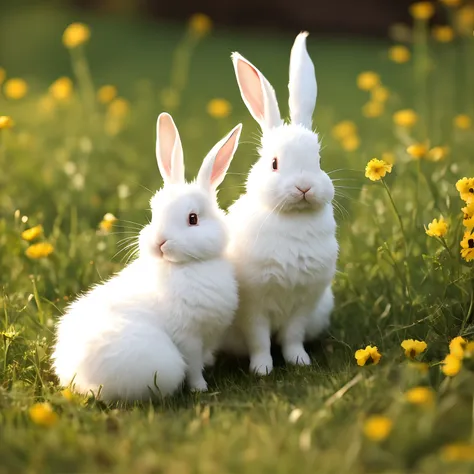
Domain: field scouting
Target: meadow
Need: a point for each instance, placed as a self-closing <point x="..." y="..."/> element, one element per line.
<point x="392" y="382"/>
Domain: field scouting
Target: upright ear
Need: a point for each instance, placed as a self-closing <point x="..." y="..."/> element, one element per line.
<point x="217" y="161"/>
<point x="257" y="93"/>
<point x="169" y="151"/>
<point x="302" y="85"/>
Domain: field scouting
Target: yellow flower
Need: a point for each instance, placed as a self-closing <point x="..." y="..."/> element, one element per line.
<point x="106" y="94"/>
<point x="107" y="222"/>
<point x="451" y="3"/>
<point x="61" y="89"/>
<point x="380" y="94"/>
<point x="377" y="169"/>
<point x="219" y="108"/>
<point x="6" y="122"/>
<point x="343" y="129"/>
<point x="437" y="228"/>
<point x="15" y="88"/>
<point x="68" y="395"/>
<point x="451" y="365"/>
<point x="420" y="396"/>
<point x="32" y="233"/>
<point x="75" y="35"/>
<point x="462" y="121"/>
<point x="3" y="74"/>
<point x="119" y="107"/>
<point x="399" y="54"/>
<point x="377" y="427"/>
<point x="42" y="414"/>
<point x="362" y="356"/>
<point x="405" y="118"/>
<point x="467" y="246"/>
<point x="422" y="10"/>
<point x="40" y="250"/>
<point x="468" y="220"/>
<point x="438" y="153"/>
<point x="458" y="452"/>
<point x="443" y="34"/>
<point x="421" y="367"/>
<point x="350" y="143"/>
<point x="456" y="347"/>
<point x="388" y="157"/>
<point x="367" y="80"/>
<point x="465" y="19"/>
<point x="413" y="347"/>
<point x="372" y="109"/>
<point x="465" y="186"/>
<point x="200" y="24"/>
<point x="417" y="150"/>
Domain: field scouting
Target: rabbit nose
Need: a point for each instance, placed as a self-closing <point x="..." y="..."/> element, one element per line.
<point x="304" y="191"/>
<point x="161" y="245"/>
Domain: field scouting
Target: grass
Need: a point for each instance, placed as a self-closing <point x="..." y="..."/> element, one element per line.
<point x="65" y="168"/>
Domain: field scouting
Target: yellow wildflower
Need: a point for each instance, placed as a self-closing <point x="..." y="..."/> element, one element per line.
<point x="438" y="153"/>
<point x="417" y="150"/>
<point x="437" y="228"/>
<point x="405" y="118"/>
<point x="219" y="108"/>
<point x="42" y="414"/>
<point x="15" y="88"/>
<point x="362" y="356"/>
<point x="420" y="396"/>
<point x="456" y="347"/>
<point x="40" y="250"/>
<point x="467" y="246"/>
<point x="106" y="94"/>
<point x="200" y="24"/>
<point x="388" y="157"/>
<point x="465" y="19"/>
<point x="3" y="75"/>
<point x="67" y="394"/>
<point x="451" y="365"/>
<point x="6" y="122"/>
<point x="107" y="222"/>
<point x="75" y="35"/>
<point x="61" y="89"/>
<point x="378" y="427"/>
<point x="458" y="452"/>
<point x="350" y="143"/>
<point x="119" y="107"/>
<point x="380" y="94"/>
<point x="377" y="169"/>
<point x="32" y="233"/>
<point x="468" y="220"/>
<point x="372" y="109"/>
<point x="465" y="186"/>
<point x="443" y="34"/>
<point x="367" y="80"/>
<point x="413" y="347"/>
<point x="462" y="121"/>
<point x="343" y="129"/>
<point x="422" y="10"/>
<point x="399" y="54"/>
<point x="451" y="3"/>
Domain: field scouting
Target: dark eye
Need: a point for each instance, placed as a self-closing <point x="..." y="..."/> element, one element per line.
<point x="275" y="164"/>
<point x="193" y="219"/>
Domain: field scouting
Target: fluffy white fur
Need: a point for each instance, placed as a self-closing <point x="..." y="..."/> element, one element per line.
<point x="283" y="232"/>
<point x="159" y="320"/>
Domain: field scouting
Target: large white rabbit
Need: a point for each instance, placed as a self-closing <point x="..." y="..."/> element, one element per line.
<point x="159" y="320"/>
<point x="283" y="232"/>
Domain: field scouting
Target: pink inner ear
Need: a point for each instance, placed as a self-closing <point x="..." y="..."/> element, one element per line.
<point x="223" y="157"/>
<point x="167" y="137"/>
<point x="251" y="88"/>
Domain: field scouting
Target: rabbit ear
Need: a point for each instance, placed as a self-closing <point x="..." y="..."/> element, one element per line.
<point x="169" y="151"/>
<point x="217" y="161"/>
<point x="257" y="93"/>
<point x="302" y="85"/>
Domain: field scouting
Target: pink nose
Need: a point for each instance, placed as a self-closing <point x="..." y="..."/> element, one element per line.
<point x="161" y="245"/>
<point x="304" y="191"/>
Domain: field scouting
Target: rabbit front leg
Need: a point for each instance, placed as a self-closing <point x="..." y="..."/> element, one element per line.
<point x="291" y="337"/>
<point x="257" y="333"/>
<point x="194" y="355"/>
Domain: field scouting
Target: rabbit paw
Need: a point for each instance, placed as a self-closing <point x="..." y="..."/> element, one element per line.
<point x="209" y="359"/>
<point x="199" y="385"/>
<point x="261" y="364"/>
<point x="296" y="355"/>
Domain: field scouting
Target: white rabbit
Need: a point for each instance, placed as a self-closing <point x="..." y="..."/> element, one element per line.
<point x="282" y="230"/>
<point x="159" y="320"/>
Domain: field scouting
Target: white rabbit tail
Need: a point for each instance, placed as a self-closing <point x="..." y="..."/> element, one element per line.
<point x="161" y="318"/>
<point x="282" y="230"/>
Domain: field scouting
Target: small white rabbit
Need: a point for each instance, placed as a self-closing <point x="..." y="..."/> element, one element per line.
<point x="159" y="320"/>
<point x="282" y="230"/>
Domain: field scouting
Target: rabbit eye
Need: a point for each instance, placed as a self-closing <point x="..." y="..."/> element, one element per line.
<point x="193" y="219"/>
<point x="275" y="164"/>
